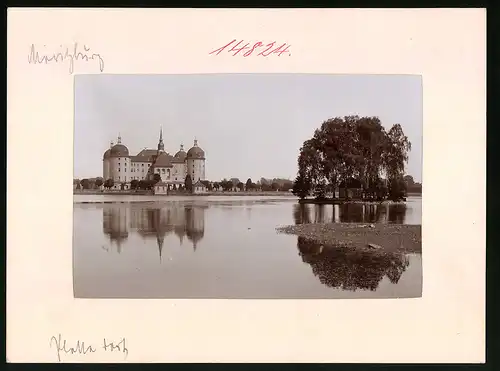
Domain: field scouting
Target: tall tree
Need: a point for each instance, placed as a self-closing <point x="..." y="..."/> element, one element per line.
<point x="249" y="184"/>
<point x="188" y="183"/>
<point x="395" y="158"/>
<point x="301" y="186"/>
<point x="109" y="183"/>
<point x="85" y="183"/>
<point x="99" y="182"/>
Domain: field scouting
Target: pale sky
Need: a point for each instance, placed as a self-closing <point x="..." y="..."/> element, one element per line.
<point x="249" y="125"/>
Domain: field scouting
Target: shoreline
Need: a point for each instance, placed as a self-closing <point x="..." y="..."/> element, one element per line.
<point x="182" y="200"/>
<point x="127" y="193"/>
<point x="390" y="238"/>
<point x="342" y="201"/>
<point x="350" y="201"/>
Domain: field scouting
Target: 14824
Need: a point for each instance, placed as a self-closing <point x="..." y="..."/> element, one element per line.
<point x="258" y="48"/>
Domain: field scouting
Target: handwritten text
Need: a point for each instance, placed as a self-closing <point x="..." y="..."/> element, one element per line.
<point x="64" y="348"/>
<point x="259" y="48"/>
<point x="67" y="54"/>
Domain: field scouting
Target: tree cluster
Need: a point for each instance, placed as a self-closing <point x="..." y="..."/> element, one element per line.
<point x="411" y="185"/>
<point x="145" y="184"/>
<point x="276" y="184"/>
<point x="353" y="151"/>
<point x="88" y="183"/>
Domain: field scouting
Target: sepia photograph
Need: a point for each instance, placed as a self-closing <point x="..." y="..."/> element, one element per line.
<point x="247" y="186"/>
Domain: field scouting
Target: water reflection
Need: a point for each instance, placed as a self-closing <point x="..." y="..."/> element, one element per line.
<point x="194" y="249"/>
<point x="350" y="213"/>
<point x="351" y="270"/>
<point x="186" y="221"/>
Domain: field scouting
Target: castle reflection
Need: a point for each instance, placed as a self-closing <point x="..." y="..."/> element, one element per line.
<point x="350" y="213"/>
<point x="185" y="221"/>
<point x="351" y="270"/>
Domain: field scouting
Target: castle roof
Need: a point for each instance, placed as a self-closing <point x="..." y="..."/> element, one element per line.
<point x="196" y="152"/>
<point x="118" y="150"/>
<point x="163" y="160"/>
<point x="106" y="154"/>
<point x="146" y="155"/>
<point x="181" y="155"/>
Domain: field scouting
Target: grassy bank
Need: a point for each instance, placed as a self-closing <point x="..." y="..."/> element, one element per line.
<point x="390" y="237"/>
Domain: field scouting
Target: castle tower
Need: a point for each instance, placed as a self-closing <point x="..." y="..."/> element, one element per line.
<point x="161" y="146"/>
<point x="106" y="171"/>
<point x="196" y="163"/>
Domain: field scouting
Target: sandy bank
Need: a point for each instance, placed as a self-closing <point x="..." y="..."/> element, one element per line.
<point x="390" y="237"/>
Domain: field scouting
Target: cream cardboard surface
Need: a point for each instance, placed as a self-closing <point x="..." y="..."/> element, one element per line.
<point x="447" y="47"/>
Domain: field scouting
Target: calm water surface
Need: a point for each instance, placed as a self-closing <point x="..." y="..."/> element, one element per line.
<point x="206" y="247"/>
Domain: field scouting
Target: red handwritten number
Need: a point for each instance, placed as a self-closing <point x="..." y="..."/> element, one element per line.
<point x="222" y="48"/>
<point x="256" y="45"/>
<point x="238" y="50"/>
<point x="279" y="51"/>
<point x="269" y="46"/>
<point x="284" y="48"/>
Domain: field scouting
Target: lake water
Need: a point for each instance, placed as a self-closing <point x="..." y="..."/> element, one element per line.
<point x="228" y="247"/>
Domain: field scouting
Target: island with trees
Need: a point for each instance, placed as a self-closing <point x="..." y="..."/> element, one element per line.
<point x="354" y="157"/>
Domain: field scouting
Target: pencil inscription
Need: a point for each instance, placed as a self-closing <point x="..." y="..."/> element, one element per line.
<point x="68" y="54"/>
<point x="63" y="347"/>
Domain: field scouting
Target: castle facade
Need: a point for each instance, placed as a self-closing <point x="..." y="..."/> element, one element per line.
<point x="122" y="167"/>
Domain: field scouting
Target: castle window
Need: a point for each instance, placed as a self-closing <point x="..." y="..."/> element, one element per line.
<point x="118" y="169"/>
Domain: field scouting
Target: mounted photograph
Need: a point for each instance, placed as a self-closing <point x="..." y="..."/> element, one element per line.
<point x="247" y="186"/>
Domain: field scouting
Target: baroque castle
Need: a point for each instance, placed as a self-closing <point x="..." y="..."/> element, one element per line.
<point x="120" y="166"/>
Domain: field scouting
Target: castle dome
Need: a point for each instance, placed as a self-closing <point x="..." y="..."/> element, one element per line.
<point x="118" y="150"/>
<point x="196" y="152"/>
<point x="181" y="154"/>
<point x="108" y="152"/>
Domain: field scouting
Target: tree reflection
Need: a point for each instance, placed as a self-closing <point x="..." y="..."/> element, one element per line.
<point x="301" y="214"/>
<point x="397" y="213"/>
<point x="350" y="213"/>
<point x="347" y="269"/>
<point x="155" y="222"/>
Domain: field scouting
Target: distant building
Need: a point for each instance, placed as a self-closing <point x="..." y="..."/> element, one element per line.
<point x="122" y="167"/>
<point x="199" y="187"/>
<point x="161" y="188"/>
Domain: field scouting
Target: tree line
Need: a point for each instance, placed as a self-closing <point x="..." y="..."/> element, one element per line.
<point x="227" y="185"/>
<point x="353" y="152"/>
